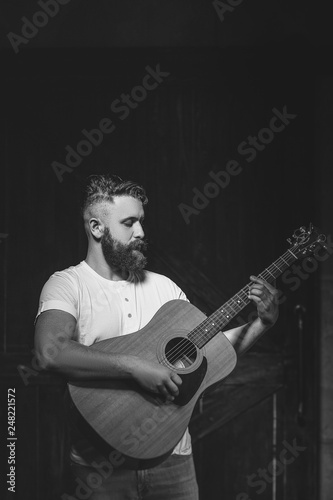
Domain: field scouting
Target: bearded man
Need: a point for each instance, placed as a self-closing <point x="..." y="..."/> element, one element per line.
<point x="109" y="294"/>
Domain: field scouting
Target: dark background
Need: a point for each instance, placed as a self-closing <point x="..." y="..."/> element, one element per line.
<point x="225" y="79"/>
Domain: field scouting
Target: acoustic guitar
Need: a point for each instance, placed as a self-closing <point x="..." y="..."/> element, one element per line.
<point x="141" y="426"/>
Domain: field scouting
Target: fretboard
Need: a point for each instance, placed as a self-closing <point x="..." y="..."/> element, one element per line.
<point x="217" y="321"/>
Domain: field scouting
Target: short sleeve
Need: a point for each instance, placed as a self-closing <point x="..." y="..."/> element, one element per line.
<point x="59" y="292"/>
<point x="176" y="291"/>
<point x="182" y="295"/>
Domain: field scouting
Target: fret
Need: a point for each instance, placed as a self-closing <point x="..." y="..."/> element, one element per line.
<point x="244" y="293"/>
<point x="211" y="325"/>
<point x="284" y="261"/>
<point x="235" y="305"/>
<point x="292" y="254"/>
<point x="224" y="311"/>
<point x="270" y="273"/>
<point x="275" y="264"/>
<point x="220" y="318"/>
<point x="217" y="321"/>
<point x="239" y="302"/>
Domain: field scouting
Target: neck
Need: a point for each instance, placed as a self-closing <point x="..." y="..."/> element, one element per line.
<point x="101" y="267"/>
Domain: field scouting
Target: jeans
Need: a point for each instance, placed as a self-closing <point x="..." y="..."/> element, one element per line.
<point x="174" y="479"/>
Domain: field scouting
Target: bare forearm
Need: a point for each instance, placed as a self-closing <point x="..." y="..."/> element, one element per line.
<point x="57" y="352"/>
<point x="265" y="296"/>
<point x="77" y="361"/>
<point x="245" y="336"/>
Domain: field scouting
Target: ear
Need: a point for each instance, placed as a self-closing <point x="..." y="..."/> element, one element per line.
<point x="96" y="227"/>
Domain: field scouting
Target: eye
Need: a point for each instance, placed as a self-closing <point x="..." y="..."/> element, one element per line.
<point x="128" y="223"/>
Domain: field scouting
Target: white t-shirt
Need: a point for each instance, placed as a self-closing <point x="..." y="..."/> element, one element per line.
<point x="104" y="309"/>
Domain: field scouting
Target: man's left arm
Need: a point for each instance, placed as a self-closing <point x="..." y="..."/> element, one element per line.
<point x="265" y="296"/>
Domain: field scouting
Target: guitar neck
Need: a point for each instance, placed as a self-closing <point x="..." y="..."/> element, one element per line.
<point x="217" y="321"/>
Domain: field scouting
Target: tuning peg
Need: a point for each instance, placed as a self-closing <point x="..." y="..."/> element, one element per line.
<point x="289" y="241"/>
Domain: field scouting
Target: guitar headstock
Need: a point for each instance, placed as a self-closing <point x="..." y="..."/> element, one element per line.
<point x="305" y="241"/>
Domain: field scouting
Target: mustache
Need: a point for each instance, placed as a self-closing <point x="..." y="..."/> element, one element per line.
<point x="141" y="245"/>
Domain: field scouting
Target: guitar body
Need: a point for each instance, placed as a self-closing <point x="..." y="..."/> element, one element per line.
<point x="140" y="425"/>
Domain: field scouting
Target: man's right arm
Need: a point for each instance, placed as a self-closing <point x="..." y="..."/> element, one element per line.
<point x="57" y="351"/>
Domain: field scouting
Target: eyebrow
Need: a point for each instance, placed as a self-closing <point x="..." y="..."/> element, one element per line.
<point x="133" y="218"/>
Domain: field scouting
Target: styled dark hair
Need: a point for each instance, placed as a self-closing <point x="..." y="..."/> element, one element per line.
<point x="104" y="187"/>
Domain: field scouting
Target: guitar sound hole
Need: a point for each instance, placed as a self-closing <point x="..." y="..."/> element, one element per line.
<point x="180" y="352"/>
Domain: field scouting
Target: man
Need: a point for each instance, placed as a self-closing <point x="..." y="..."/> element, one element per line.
<point x="111" y="294"/>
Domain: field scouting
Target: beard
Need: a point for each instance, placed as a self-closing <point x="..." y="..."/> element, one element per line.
<point x="125" y="258"/>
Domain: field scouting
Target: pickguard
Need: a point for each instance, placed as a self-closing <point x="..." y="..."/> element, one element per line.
<point x="191" y="383"/>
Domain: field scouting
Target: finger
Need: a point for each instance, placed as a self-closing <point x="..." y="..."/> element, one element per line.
<point x="255" y="295"/>
<point x="260" y="296"/>
<point x="165" y="394"/>
<point x="262" y="290"/>
<point x="172" y="388"/>
<point x="259" y="292"/>
<point x="255" y="299"/>
<point x="176" y="378"/>
<point x="263" y="282"/>
<point x="257" y="286"/>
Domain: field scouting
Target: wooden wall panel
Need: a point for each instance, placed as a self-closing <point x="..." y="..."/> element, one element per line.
<point x="192" y="124"/>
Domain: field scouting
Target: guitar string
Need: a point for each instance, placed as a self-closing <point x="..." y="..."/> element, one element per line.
<point x="235" y="304"/>
<point x="179" y="351"/>
<point x="183" y="348"/>
<point x="238" y="305"/>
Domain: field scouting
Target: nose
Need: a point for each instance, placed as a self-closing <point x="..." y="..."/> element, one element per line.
<point x="138" y="231"/>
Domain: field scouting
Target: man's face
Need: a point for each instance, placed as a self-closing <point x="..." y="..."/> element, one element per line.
<point x="122" y="240"/>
